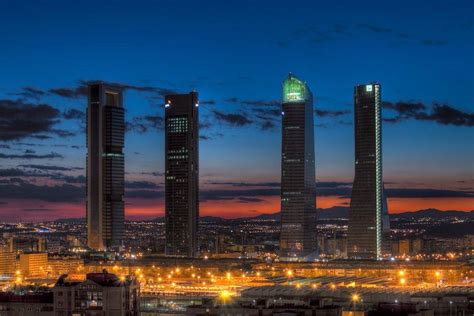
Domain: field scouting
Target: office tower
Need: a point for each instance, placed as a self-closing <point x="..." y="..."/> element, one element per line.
<point x="182" y="174"/>
<point x="105" y="167"/>
<point x="368" y="217"/>
<point x="298" y="204"/>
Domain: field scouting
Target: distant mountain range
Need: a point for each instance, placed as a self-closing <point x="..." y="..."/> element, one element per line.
<point x="431" y="212"/>
<point x="337" y="212"/>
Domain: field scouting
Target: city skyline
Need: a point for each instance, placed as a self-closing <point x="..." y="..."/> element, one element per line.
<point x="428" y="160"/>
<point x="183" y="157"/>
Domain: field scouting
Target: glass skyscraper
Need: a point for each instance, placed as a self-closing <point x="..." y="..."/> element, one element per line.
<point x="181" y="174"/>
<point x="298" y="198"/>
<point x="105" y="167"/>
<point x="368" y="217"/>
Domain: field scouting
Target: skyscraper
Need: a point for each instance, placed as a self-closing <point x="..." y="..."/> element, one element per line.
<point x="182" y="174"/>
<point x="368" y="217"/>
<point x="298" y="204"/>
<point x="105" y="167"/>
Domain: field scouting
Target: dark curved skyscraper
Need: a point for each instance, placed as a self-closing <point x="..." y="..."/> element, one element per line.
<point x="105" y="167"/>
<point x="298" y="204"/>
<point x="181" y="174"/>
<point x="368" y="218"/>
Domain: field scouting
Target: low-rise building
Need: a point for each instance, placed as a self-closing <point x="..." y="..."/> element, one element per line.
<point x="26" y="244"/>
<point x="59" y="265"/>
<point x="30" y="304"/>
<point x="7" y="263"/>
<point x="34" y="265"/>
<point x="99" y="294"/>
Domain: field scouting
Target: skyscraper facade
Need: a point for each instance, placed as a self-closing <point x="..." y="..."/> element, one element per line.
<point x="105" y="167"/>
<point x="368" y="217"/>
<point x="298" y="198"/>
<point x="181" y="174"/>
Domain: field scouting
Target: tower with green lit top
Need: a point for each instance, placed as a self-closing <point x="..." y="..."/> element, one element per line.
<point x="298" y="198"/>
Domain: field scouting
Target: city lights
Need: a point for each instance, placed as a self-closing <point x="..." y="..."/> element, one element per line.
<point x="166" y="160"/>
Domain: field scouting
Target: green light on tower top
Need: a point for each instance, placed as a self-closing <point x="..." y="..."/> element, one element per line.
<point x="295" y="90"/>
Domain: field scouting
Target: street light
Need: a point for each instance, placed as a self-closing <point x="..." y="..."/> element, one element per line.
<point x="355" y="299"/>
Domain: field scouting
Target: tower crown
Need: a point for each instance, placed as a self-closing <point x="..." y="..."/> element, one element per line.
<point x="294" y="90"/>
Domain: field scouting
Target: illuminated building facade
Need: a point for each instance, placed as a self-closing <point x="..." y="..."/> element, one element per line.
<point x="99" y="294"/>
<point x="368" y="217"/>
<point x="34" y="264"/>
<point x="105" y="167"/>
<point x="298" y="204"/>
<point x="26" y="244"/>
<point x="7" y="263"/>
<point x="181" y="174"/>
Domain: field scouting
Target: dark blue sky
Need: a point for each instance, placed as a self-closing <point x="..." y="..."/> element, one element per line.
<point x="236" y="54"/>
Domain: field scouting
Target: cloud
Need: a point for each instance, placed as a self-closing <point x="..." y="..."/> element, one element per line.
<point x="323" y="188"/>
<point x="330" y="113"/>
<point x="247" y="184"/>
<point x="20" y="120"/>
<point x="209" y="195"/>
<point x="332" y="184"/>
<point x="74" y="114"/>
<point x="244" y="199"/>
<point x="13" y="172"/>
<point x="447" y="115"/>
<point x="50" y="168"/>
<point x="80" y="91"/>
<point x="211" y="136"/>
<point x="59" y="193"/>
<point x="16" y="174"/>
<point x="144" y="194"/>
<point x="205" y="125"/>
<point x="70" y="179"/>
<point x="317" y="34"/>
<point x="232" y="119"/>
<point x="260" y="113"/>
<point x="37" y="210"/>
<point x="235" y="100"/>
<point x="426" y="193"/>
<point x="375" y="28"/>
<point x="141" y="185"/>
<point x="431" y="42"/>
<point x="443" y="114"/>
<point x="51" y="155"/>
<point x="154" y="173"/>
<point x="30" y="93"/>
<point x="267" y="113"/>
<point x="72" y="93"/>
<point x="267" y="125"/>
<point x="207" y="102"/>
<point x="143" y="124"/>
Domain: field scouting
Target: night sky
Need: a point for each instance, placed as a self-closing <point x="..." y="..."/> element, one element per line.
<point x="236" y="55"/>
